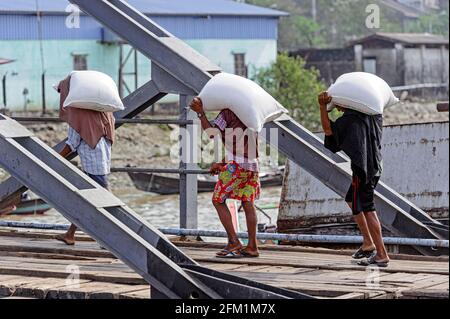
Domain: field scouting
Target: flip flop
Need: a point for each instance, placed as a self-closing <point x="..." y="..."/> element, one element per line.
<point x="236" y="254"/>
<point x="372" y="262"/>
<point x="225" y="251"/>
<point x="248" y="255"/>
<point x="360" y="253"/>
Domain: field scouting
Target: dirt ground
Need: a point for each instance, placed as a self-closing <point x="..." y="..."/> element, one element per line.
<point x="149" y="145"/>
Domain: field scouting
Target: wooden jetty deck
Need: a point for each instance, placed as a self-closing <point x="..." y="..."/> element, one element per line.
<point x="34" y="265"/>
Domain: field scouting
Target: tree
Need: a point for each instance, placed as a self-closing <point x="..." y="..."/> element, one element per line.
<point x="295" y="87"/>
<point x="433" y="22"/>
<point x="340" y="21"/>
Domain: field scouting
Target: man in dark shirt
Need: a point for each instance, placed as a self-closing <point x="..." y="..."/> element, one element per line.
<point x="359" y="136"/>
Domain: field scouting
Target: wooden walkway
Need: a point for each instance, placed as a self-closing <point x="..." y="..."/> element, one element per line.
<point x="34" y="265"/>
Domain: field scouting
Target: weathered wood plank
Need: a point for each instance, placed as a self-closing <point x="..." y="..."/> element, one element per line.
<point x="35" y="264"/>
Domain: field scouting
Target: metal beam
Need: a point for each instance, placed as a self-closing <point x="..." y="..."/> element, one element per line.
<point x="135" y="103"/>
<point x="170" y="53"/>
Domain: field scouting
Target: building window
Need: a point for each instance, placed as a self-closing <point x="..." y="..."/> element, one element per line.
<point x="240" y="68"/>
<point x="80" y="62"/>
<point x="370" y="65"/>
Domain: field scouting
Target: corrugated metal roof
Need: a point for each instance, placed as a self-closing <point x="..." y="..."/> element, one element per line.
<point x="25" y="27"/>
<point x="154" y="7"/>
<point x="406" y="38"/>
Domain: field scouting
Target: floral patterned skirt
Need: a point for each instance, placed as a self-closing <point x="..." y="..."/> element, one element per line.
<point x="236" y="183"/>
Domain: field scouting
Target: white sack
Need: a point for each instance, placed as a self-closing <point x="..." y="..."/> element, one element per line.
<point x="363" y="92"/>
<point x="92" y="90"/>
<point x="251" y="103"/>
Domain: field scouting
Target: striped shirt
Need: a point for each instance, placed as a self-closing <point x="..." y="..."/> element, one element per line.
<point x="221" y="123"/>
<point x="95" y="161"/>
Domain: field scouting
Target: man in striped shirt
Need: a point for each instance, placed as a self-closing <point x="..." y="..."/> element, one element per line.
<point x="95" y="162"/>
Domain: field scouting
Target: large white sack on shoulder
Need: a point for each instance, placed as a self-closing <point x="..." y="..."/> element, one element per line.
<point x="363" y="92"/>
<point x="92" y="90"/>
<point x="250" y="102"/>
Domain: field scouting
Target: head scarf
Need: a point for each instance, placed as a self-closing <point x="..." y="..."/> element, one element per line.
<point x="91" y="125"/>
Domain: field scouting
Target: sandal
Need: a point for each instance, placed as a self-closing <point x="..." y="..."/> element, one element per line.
<point x="360" y="253"/>
<point x="226" y="250"/>
<point x="372" y="262"/>
<point x="235" y="254"/>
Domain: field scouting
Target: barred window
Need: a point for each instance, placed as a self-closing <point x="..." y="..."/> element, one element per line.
<point x="240" y="68"/>
<point x="80" y="62"/>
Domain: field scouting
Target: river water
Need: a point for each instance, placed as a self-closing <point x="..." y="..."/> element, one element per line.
<point x="163" y="211"/>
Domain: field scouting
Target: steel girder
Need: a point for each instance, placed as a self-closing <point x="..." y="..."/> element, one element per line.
<point x="114" y="225"/>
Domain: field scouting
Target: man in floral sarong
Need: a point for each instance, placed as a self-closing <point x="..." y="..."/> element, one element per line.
<point x="238" y="177"/>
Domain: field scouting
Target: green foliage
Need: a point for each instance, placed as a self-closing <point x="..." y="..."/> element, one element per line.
<point x="340" y="21"/>
<point x="295" y="87"/>
<point x="434" y="22"/>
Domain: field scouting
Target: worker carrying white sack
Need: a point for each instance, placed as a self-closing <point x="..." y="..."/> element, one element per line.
<point x="362" y="98"/>
<point x="244" y="108"/>
<point x="87" y="100"/>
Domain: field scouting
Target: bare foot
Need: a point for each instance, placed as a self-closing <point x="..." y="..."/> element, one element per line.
<point x="368" y="248"/>
<point x="64" y="239"/>
<point x="251" y="253"/>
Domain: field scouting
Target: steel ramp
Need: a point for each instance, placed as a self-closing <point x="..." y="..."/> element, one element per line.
<point x="396" y="213"/>
<point x="114" y="225"/>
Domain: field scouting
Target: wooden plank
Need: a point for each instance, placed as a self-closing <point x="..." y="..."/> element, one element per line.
<point x="320" y="264"/>
<point x="41" y="235"/>
<point x="139" y="294"/>
<point x="112" y="277"/>
<point x="40" y="289"/>
<point x="117" y="292"/>
<point x="352" y="295"/>
<point x="441" y="286"/>
<point x="425" y="294"/>
<point x="43" y="255"/>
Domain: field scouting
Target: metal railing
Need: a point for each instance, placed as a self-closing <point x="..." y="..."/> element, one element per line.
<point x="188" y="186"/>
<point x="305" y="238"/>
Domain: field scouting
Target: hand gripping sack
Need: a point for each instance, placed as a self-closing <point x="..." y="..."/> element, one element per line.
<point x="92" y="90"/>
<point x="251" y="103"/>
<point x="363" y="92"/>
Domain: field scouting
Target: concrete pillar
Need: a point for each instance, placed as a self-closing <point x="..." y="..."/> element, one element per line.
<point x="444" y="64"/>
<point x="423" y="49"/>
<point x="358" y="57"/>
<point x="400" y="64"/>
